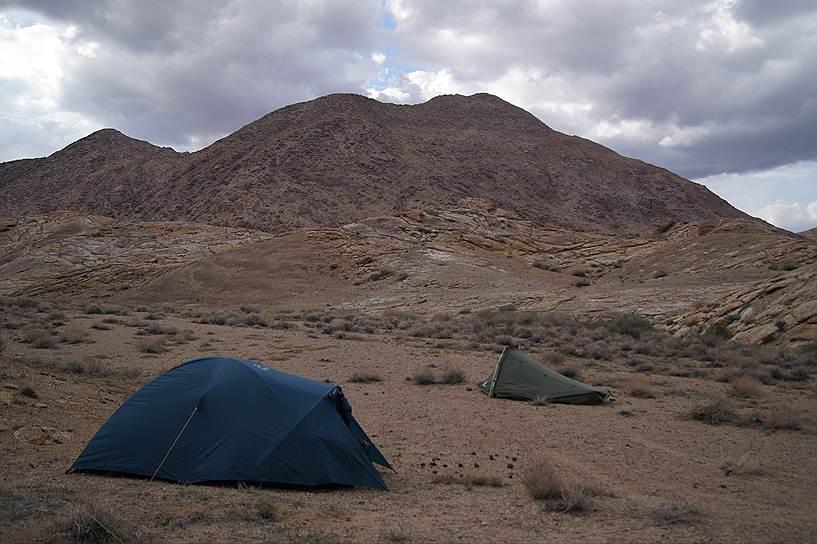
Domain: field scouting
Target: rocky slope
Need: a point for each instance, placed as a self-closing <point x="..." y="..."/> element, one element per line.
<point x="462" y="258"/>
<point x="811" y="233"/>
<point x="343" y="158"/>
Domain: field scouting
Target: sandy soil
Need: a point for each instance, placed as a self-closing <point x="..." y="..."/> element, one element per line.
<point x="636" y="451"/>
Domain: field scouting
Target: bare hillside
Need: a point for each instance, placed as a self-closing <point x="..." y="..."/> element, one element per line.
<point x="344" y="157"/>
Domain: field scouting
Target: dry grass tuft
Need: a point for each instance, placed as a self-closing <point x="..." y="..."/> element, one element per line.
<point x="713" y="412"/>
<point x="542" y="481"/>
<point x="269" y="510"/>
<point x="423" y="377"/>
<point x="101" y="527"/>
<point x="39" y="339"/>
<point x="365" y="377"/>
<point x="452" y="376"/>
<point x="746" y="386"/>
<point x="744" y="465"/>
<point x="73" y="335"/>
<point x="640" y="388"/>
<point x="152" y="345"/>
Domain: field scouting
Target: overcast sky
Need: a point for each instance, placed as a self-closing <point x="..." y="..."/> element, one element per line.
<point x="723" y="92"/>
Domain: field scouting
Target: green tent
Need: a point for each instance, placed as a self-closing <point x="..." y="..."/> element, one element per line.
<point x="518" y="376"/>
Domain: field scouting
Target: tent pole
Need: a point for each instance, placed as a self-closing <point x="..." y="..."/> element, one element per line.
<point x="173" y="445"/>
<point x="495" y="377"/>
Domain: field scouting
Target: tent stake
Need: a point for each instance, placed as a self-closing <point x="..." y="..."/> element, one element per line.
<point x="173" y="445"/>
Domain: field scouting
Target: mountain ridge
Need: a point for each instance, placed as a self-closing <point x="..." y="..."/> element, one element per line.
<point x="344" y="157"/>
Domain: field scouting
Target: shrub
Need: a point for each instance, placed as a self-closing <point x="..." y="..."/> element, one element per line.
<point x="423" y="377"/>
<point x="785" y="419"/>
<point x="713" y="412"/>
<point x="156" y="329"/>
<point x="640" y="388"/>
<point x="28" y="391"/>
<point x="184" y="336"/>
<point x="365" y="377"/>
<point x="673" y="513"/>
<point x="268" y="510"/>
<point x="573" y="499"/>
<point x="2" y="344"/>
<point x="581" y="283"/>
<point x="746" y="386"/>
<point x="155" y="316"/>
<point x="254" y="320"/>
<point x="452" y="376"/>
<point x="743" y="466"/>
<point x="152" y="345"/>
<point x="40" y="339"/>
<point x="659" y="274"/>
<point x="73" y="335"/>
<point x="542" y="481"/>
<point x="631" y="324"/>
<point x="100" y="527"/>
<point x="247" y="309"/>
<point x="541" y="401"/>
<point x="100" y="326"/>
<point x="570" y="372"/>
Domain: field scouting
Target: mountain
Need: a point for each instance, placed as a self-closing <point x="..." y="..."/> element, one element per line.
<point x="811" y="233"/>
<point x="343" y="158"/>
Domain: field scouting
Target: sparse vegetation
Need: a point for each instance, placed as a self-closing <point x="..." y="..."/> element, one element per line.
<point x="74" y="335"/>
<point x="714" y="411"/>
<point x="365" y="377"/>
<point x="452" y="376"/>
<point x="380" y="275"/>
<point x="746" y="386"/>
<point x="570" y="372"/>
<point x="268" y="510"/>
<point x="640" y="388"/>
<point x="28" y="391"/>
<point x="40" y="339"/>
<point x="97" y="526"/>
<point x="744" y="465"/>
<point x="101" y="326"/>
<point x="152" y="345"/>
<point x="423" y="376"/>
<point x="542" y="481"/>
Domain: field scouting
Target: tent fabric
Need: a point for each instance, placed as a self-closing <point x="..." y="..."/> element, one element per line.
<point x="244" y="422"/>
<point x="518" y="376"/>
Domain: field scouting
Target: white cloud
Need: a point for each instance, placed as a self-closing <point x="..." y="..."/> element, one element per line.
<point x="379" y="57"/>
<point x="790" y="216"/>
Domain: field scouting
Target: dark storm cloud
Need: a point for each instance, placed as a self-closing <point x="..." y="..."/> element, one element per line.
<point x="701" y="87"/>
<point x="185" y="73"/>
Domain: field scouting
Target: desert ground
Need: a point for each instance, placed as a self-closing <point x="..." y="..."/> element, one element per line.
<point x="706" y="440"/>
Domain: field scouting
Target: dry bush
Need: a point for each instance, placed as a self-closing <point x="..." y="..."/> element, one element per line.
<point x="640" y="388"/>
<point x="28" y="391"/>
<point x="248" y="309"/>
<point x="746" y="386"/>
<point x="40" y="339"/>
<point x="96" y="309"/>
<point x="553" y="357"/>
<point x="674" y="513"/>
<point x="380" y="275"/>
<point x="268" y="510"/>
<point x="95" y="369"/>
<point x="452" y="376"/>
<point x="542" y="480"/>
<point x="581" y="282"/>
<point x="156" y="329"/>
<point x="152" y="345"/>
<point x="74" y="335"/>
<point x="396" y="535"/>
<point x="100" y="326"/>
<point x="184" y="336"/>
<point x="574" y="499"/>
<point x="2" y="344"/>
<point x="423" y="376"/>
<point x="713" y="412"/>
<point x="744" y="465"/>
<point x="365" y="377"/>
<point x="97" y="526"/>
<point x="541" y="401"/>
<point x="785" y="419"/>
<point x="570" y="372"/>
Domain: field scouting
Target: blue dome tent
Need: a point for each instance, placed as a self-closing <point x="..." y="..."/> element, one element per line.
<point x="216" y="419"/>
